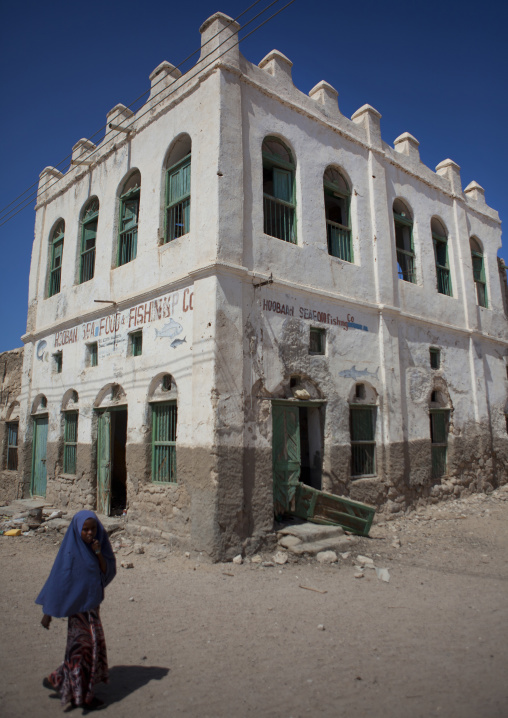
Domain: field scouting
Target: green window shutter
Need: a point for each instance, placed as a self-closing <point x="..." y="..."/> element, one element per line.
<point x="178" y="201"/>
<point x="128" y="240"/>
<point x="479" y="278"/>
<point x="164" y="420"/>
<point x="441" y="254"/>
<point x="363" y="444"/>
<point x="94" y="354"/>
<point x="362" y="424"/>
<point x="88" y="239"/>
<point x="439" y="441"/>
<point x="130" y="210"/>
<point x="12" y="446"/>
<point x="438" y="429"/>
<point x="137" y="344"/>
<point x="70" y="442"/>
<point x="56" y="267"/>
<point x="283" y="184"/>
<point x="179" y="183"/>
<point x="444" y="282"/>
<point x="478" y="273"/>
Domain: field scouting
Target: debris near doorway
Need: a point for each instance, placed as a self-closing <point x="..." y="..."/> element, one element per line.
<point x="311" y="539"/>
<point x="329" y="509"/>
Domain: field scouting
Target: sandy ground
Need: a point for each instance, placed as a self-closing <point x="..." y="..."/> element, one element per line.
<point x="197" y="641"/>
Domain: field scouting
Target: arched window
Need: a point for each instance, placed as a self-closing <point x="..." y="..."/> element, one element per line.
<point x="56" y="253"/>
<point x="163" y="402"/>
<point x="478" y="272"/>
<point x="89" y="222"/>
<point x="439" y="426"/>
<point x="278" y="190"/>
<point x="362" y="427"/>
<point x="337" y="211"/>
<point x="440" y="241"/>
<point x="403" y="221"/>
<point x="70" y="431"/>
<point x="178" y="188"/>
<point x="129" y="213"/>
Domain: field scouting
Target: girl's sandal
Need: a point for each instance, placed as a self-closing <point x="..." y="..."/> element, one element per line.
<point x="47" y="684"/>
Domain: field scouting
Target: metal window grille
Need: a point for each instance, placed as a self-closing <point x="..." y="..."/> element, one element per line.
<point x="129" y="215"/>
<point x="88" y="240"/>
<point x="435" y="358"/>
<point x="337" y="211"/>
<point x="279" y="209"/>
<point x="339" y="241"/>
<point x="12" y="446"/>
<point x="444" y="282"/>
<point x="56" y="260"/>
<point x="164" y="419"/>
<point x="178" y="200"/>
<point x="363" y="442"/>
<point x="137" y="344"/>
<point x="317" y="340"/>
<point x="70" y="442"/>
<point x="439" y="441"/>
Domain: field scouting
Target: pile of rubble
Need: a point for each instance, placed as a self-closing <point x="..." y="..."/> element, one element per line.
<point x="25" y="517"/>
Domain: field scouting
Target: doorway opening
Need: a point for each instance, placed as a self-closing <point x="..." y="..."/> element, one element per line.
<point x="310" y="446"/>
<point x="297" y="450"/>
<point x="111" y="462"/>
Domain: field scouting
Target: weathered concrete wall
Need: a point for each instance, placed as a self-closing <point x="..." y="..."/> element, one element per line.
<point x="226" y="310"/>
<point x="10" y="388"/>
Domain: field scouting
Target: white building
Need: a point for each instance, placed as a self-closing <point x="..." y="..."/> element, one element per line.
<point x="240" y="287"/>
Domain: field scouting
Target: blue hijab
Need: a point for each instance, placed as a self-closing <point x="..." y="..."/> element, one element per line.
<point x="76" y="582"/>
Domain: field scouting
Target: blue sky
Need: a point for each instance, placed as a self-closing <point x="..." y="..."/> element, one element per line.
<point x="436" y="69"/>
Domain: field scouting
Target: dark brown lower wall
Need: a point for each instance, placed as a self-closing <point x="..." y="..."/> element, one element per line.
<point x="222" y="502"/>
<point x="11" y="486"/>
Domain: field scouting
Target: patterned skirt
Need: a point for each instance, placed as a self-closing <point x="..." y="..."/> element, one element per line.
<point x="85" y="662"/>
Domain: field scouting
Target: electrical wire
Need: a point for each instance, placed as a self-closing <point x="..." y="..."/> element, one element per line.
<point x="104" y="127"/>
<point x="25" y="202"/>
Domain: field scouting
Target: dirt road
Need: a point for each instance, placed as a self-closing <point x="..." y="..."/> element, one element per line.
<point x="199" y="642"/>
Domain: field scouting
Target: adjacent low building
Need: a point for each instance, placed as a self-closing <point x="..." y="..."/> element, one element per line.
<point x="11" y="486"/>
<point x="240" y="288"/>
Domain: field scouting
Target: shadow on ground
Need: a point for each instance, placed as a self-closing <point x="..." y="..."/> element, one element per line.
<point x="124" y="680"/>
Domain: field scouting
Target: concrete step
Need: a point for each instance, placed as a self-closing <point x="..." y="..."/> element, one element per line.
<point x="309" y="532"/>
<point x="18" y="506"/>
<point x="312" y="548"/>
<point x="308" y="538"/>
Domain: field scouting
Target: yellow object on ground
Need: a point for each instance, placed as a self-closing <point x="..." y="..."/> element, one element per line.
<point x="13" y="532"/>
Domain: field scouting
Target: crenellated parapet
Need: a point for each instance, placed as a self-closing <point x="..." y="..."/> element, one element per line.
<point x="273" y="76"/>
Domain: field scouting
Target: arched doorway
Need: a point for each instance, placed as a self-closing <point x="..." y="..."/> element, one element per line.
<point x="39" y="446"/>
<point x="297" y="441"/>
<point x="111" y="408"/>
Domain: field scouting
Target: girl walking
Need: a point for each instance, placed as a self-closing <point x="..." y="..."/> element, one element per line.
<point x="84" y="566"/>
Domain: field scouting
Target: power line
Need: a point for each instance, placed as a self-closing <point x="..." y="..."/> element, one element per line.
<point x="25" y="202"/>
<point x="137" y="100"/>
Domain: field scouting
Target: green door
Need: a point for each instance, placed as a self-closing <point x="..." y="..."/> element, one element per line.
<point x="286" y="455"/>
<point x="38" y="487"/>
<point x="104" y="464"/>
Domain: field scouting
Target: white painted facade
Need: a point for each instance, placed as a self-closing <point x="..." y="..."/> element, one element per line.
<point x="240" y="304"/>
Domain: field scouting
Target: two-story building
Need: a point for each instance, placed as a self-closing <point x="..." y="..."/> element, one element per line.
<point x="240" y="287"/>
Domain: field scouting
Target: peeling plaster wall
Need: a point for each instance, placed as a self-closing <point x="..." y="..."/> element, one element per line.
<point x="240" y="305"/>
<point x="10" y="386"/>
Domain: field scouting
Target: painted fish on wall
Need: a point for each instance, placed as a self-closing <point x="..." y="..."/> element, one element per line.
<point x="170" y="330"/>
<point x="355" y="373"/>
<point x="41" y="346"/>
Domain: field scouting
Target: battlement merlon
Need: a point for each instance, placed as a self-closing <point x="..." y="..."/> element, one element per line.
<point x="219" y="44"/>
